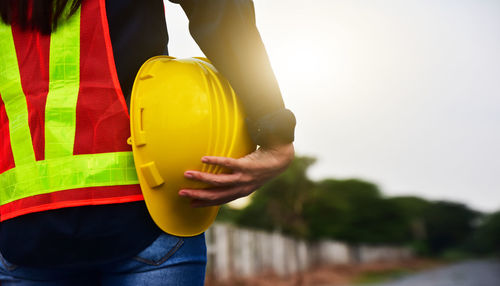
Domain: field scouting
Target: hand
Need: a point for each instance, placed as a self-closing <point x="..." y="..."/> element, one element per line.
<point x="248" y="174"/>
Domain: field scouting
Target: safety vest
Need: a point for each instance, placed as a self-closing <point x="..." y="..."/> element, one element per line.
<point x="64" y="122"/>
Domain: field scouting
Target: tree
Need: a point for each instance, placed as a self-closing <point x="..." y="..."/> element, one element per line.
<point x="415" y="232"/>
<point x="487" y="237"/>
<point x="353" y="210"/>
<point x="448" y="225"/>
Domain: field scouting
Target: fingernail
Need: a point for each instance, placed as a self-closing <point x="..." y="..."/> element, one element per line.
<point x="189" y="175"/>
<point x="204" y="159"/>
<point x="183" y="193"/>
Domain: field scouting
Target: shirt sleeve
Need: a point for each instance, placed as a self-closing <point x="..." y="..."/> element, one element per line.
<point x="225" y="30"/>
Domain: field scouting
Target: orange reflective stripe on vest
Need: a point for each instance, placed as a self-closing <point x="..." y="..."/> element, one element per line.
<point x="61" y="170"/>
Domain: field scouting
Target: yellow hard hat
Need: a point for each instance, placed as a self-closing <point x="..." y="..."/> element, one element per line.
<point x="182" y="110"/>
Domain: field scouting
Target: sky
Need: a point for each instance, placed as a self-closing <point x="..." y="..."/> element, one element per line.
<point x="404" y="94"/>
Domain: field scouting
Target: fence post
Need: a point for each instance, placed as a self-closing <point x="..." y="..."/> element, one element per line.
<point x="278" y="254"/>
<point x="222" y="267"/>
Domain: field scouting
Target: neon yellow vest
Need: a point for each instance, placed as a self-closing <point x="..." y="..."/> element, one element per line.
<point x="63" y="178"/>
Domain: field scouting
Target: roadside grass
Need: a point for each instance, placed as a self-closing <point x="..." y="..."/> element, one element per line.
<point x="371" y="277"/>
<point x="384" y="272"/>
<point x="336" y="275"/>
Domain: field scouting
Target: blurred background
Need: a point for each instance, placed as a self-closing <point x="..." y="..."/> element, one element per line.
<point x="398" y="159"/>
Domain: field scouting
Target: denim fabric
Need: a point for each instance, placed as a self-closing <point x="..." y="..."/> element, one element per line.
<point x="169" y="260"/>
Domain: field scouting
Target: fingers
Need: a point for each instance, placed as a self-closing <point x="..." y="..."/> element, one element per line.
<point x="228" y="187"/>
<point x="217" y="180"/>
<point x="230" y="163"/>
<point x="211" y="197"/>
<point x="248" y="173"/>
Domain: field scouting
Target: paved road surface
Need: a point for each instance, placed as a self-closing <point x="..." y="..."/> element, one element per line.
<point x="470" y="273"/>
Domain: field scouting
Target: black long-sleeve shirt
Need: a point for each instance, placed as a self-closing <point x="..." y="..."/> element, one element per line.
<point x="225" y="30"/>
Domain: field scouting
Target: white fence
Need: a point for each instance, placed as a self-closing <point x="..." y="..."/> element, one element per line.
<point x="237" y="252"/>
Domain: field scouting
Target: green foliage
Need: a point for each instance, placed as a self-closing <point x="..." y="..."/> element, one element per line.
<point x="448" y="225"/>
<point x="413" y="209"/>
<point x="353" y="210"/>
<point x="436" y="227"/>
<point x="487" y="238"/>
<point x="371" y="277"/>
<point x="227" y="214"/>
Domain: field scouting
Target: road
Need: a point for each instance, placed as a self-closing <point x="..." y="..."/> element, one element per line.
<point x="469" y="273"/>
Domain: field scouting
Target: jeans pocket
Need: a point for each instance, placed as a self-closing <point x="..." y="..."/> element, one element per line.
<point x="6" y="265"/>
<point x="160" y="250"/>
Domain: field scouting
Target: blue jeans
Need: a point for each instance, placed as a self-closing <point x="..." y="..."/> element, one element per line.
<point x="169" y="260"/>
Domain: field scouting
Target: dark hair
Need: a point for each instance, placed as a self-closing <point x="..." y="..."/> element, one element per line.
<point x="39" y="15"/>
